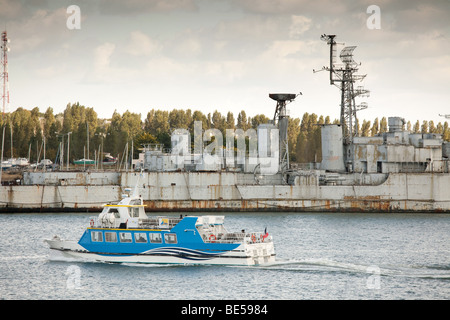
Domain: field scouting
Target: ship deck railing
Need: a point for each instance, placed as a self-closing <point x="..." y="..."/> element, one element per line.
<point x="208" y="235"/>
<point x="236" y="237"/>
<point x="149" y="223"/>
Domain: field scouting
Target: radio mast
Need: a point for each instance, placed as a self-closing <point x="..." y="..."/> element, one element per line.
<point x="5" y="88"/>
<point x="343" y="75"/>
<point x="4" y="74"/>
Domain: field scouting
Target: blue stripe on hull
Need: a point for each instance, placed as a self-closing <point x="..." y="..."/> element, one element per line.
<point x="183" y="253"/>
<point x="177" y="252"/>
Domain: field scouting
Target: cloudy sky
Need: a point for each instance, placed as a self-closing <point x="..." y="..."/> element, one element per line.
<point x="226" y="55"/>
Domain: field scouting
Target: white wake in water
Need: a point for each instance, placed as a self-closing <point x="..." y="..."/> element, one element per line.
<point x="327" y="265"/>
<point x="317" y="265"/>
<point x="22" y="257"/>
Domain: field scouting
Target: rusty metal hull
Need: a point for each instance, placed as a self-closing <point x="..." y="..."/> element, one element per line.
<point x="45" y="198"/>
<point x="294" y="206"/>
<point x="229" y="191"/>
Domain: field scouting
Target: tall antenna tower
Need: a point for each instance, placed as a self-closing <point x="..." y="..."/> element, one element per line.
<point x="343" y="75"/>
<point x="5" y="88"/>
<point x="4" y="74"/>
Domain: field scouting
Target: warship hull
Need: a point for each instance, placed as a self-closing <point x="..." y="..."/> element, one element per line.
<point x="228" y="192"/>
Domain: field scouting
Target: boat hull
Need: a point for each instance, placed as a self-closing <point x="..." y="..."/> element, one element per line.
<point x="244" y="255"/>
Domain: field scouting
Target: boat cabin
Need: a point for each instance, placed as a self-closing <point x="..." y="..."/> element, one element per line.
<point x="126" y="214"/>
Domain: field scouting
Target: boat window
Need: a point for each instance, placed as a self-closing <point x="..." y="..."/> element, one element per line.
<point x="110" y="237"/>
<point x="170" y="238"/>
<point x="140" y="237"/>
<point x="115" y="211"/>
<point x="134" y="212"/>
<point x="135" y="202"/>
<point x="155" y="238"/>
<point x="125" y="237"/>
<point x="96" y="236"/>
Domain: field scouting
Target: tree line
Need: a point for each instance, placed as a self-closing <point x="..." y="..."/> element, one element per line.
<point x="26" y="130"/>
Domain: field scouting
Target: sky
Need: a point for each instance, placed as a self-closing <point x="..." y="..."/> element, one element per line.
<point x="226" y="55"/>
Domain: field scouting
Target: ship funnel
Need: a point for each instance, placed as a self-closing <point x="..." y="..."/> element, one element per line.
<point x="332" y="148"/>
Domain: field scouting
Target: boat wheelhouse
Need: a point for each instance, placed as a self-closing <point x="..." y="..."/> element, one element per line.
<point x="123" y="233"/>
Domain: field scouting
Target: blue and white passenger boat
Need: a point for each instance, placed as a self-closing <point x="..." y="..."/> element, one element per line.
<point x="123" y="233"/>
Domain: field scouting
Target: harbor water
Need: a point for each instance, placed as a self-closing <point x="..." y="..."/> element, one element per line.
<point x="319" y="256"/>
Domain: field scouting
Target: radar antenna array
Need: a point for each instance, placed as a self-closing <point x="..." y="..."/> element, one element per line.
<point x="343" y="75"/>
<point x="283" y="120"/>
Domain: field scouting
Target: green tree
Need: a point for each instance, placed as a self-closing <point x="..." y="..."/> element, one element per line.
<point x="383" y="125"/>
<point x="440" y="128"/>
<point x="157" y="122"/>
<point x="218" y="121"/>
<point x="365" y="128"/>
<point x="431" y="127"/>
<point x="49" y="120"/>
<point x="293" y="132"/>
<point x="142" y="139"/>
<point x="242" y="121"/>
<point x="258" y="119"/>
<point x="179" y="119"/>
<point x="416" y="128"/>
<point x="130" y="124"/>
<point x="375" y="128"/>
<point x="81" y="121"/>
<point x="424" y="128"/>
<point x="199" y="116"/>
<point x="115" y="140"/>
<point x="446" y="132"/>
<point x="230" y="124"/>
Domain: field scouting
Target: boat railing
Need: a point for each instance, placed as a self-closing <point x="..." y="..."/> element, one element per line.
<point x="159" y="222"/>
<point x="94" y="222"/>
<point x="233" y="237"/>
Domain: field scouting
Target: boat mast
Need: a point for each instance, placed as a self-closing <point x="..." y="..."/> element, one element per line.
<point x="87" y="138"/>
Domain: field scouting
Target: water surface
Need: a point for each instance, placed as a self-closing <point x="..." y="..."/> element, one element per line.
<point x="319" y="256"/>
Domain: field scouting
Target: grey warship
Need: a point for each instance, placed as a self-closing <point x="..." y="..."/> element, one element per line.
<point x="395" y="171"/>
